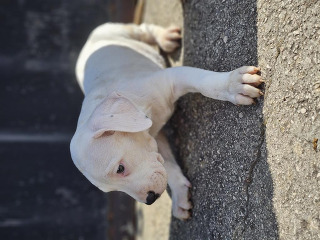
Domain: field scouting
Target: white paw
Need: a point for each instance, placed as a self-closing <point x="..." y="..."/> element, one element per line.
<point x="181" y="204"/>
<point x="243" y="83"/>
<point x="168" y="38"/>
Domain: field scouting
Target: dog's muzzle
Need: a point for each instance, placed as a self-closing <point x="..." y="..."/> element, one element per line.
<point x="152" y="197"/>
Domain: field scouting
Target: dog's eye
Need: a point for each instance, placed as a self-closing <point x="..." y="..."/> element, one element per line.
<point x="120" y="169"/>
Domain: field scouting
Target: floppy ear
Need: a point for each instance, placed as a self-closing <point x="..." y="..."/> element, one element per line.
<point x="117" y="113"/>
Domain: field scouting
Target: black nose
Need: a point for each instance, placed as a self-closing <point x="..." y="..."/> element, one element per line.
<point x="152" y="197"/>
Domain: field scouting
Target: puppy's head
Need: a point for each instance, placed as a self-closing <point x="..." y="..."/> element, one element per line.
<point x="116" y="153"/>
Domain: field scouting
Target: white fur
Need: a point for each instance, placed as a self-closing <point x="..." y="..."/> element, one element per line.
<point x="129" y="96"/>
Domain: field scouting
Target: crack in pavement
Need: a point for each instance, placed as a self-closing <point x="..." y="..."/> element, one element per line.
<point x="247" y="183"/>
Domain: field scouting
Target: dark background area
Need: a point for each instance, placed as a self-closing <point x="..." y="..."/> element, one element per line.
<point x="43" y="195"/>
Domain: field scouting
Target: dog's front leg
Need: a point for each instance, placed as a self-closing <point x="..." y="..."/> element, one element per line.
<point x="238" y="86"/>
<point x="178" y="183"/>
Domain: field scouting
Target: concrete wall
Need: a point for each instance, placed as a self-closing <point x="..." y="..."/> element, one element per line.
<point x="254" y="170"/>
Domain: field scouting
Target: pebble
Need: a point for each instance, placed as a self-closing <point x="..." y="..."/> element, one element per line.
<point x="303" y="110"/>
<point x="225" y="39"/>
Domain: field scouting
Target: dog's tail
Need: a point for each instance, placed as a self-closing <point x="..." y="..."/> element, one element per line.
<point x="138" y="12"/>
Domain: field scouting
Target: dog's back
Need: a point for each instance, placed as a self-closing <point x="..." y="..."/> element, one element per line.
<point x="108" y="51"/>
<point x="116" y="63"/>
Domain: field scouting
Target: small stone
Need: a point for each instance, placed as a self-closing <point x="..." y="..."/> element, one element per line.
<point x="303" y="110"/>
<point x="297" y="32"/>
<point x="240" y="115"/>
<point x="225" y="39"/>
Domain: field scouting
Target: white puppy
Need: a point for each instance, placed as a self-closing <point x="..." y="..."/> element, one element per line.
<point x="129" y="96"/>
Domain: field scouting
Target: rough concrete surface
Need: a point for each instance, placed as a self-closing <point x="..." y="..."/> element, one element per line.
<point x="289" y="53"/>
<point x="255" y="170"/>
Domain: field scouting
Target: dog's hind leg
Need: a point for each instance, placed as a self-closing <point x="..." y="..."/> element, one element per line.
<point x="178" y="183"/>
<point x="167" y="38"/>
